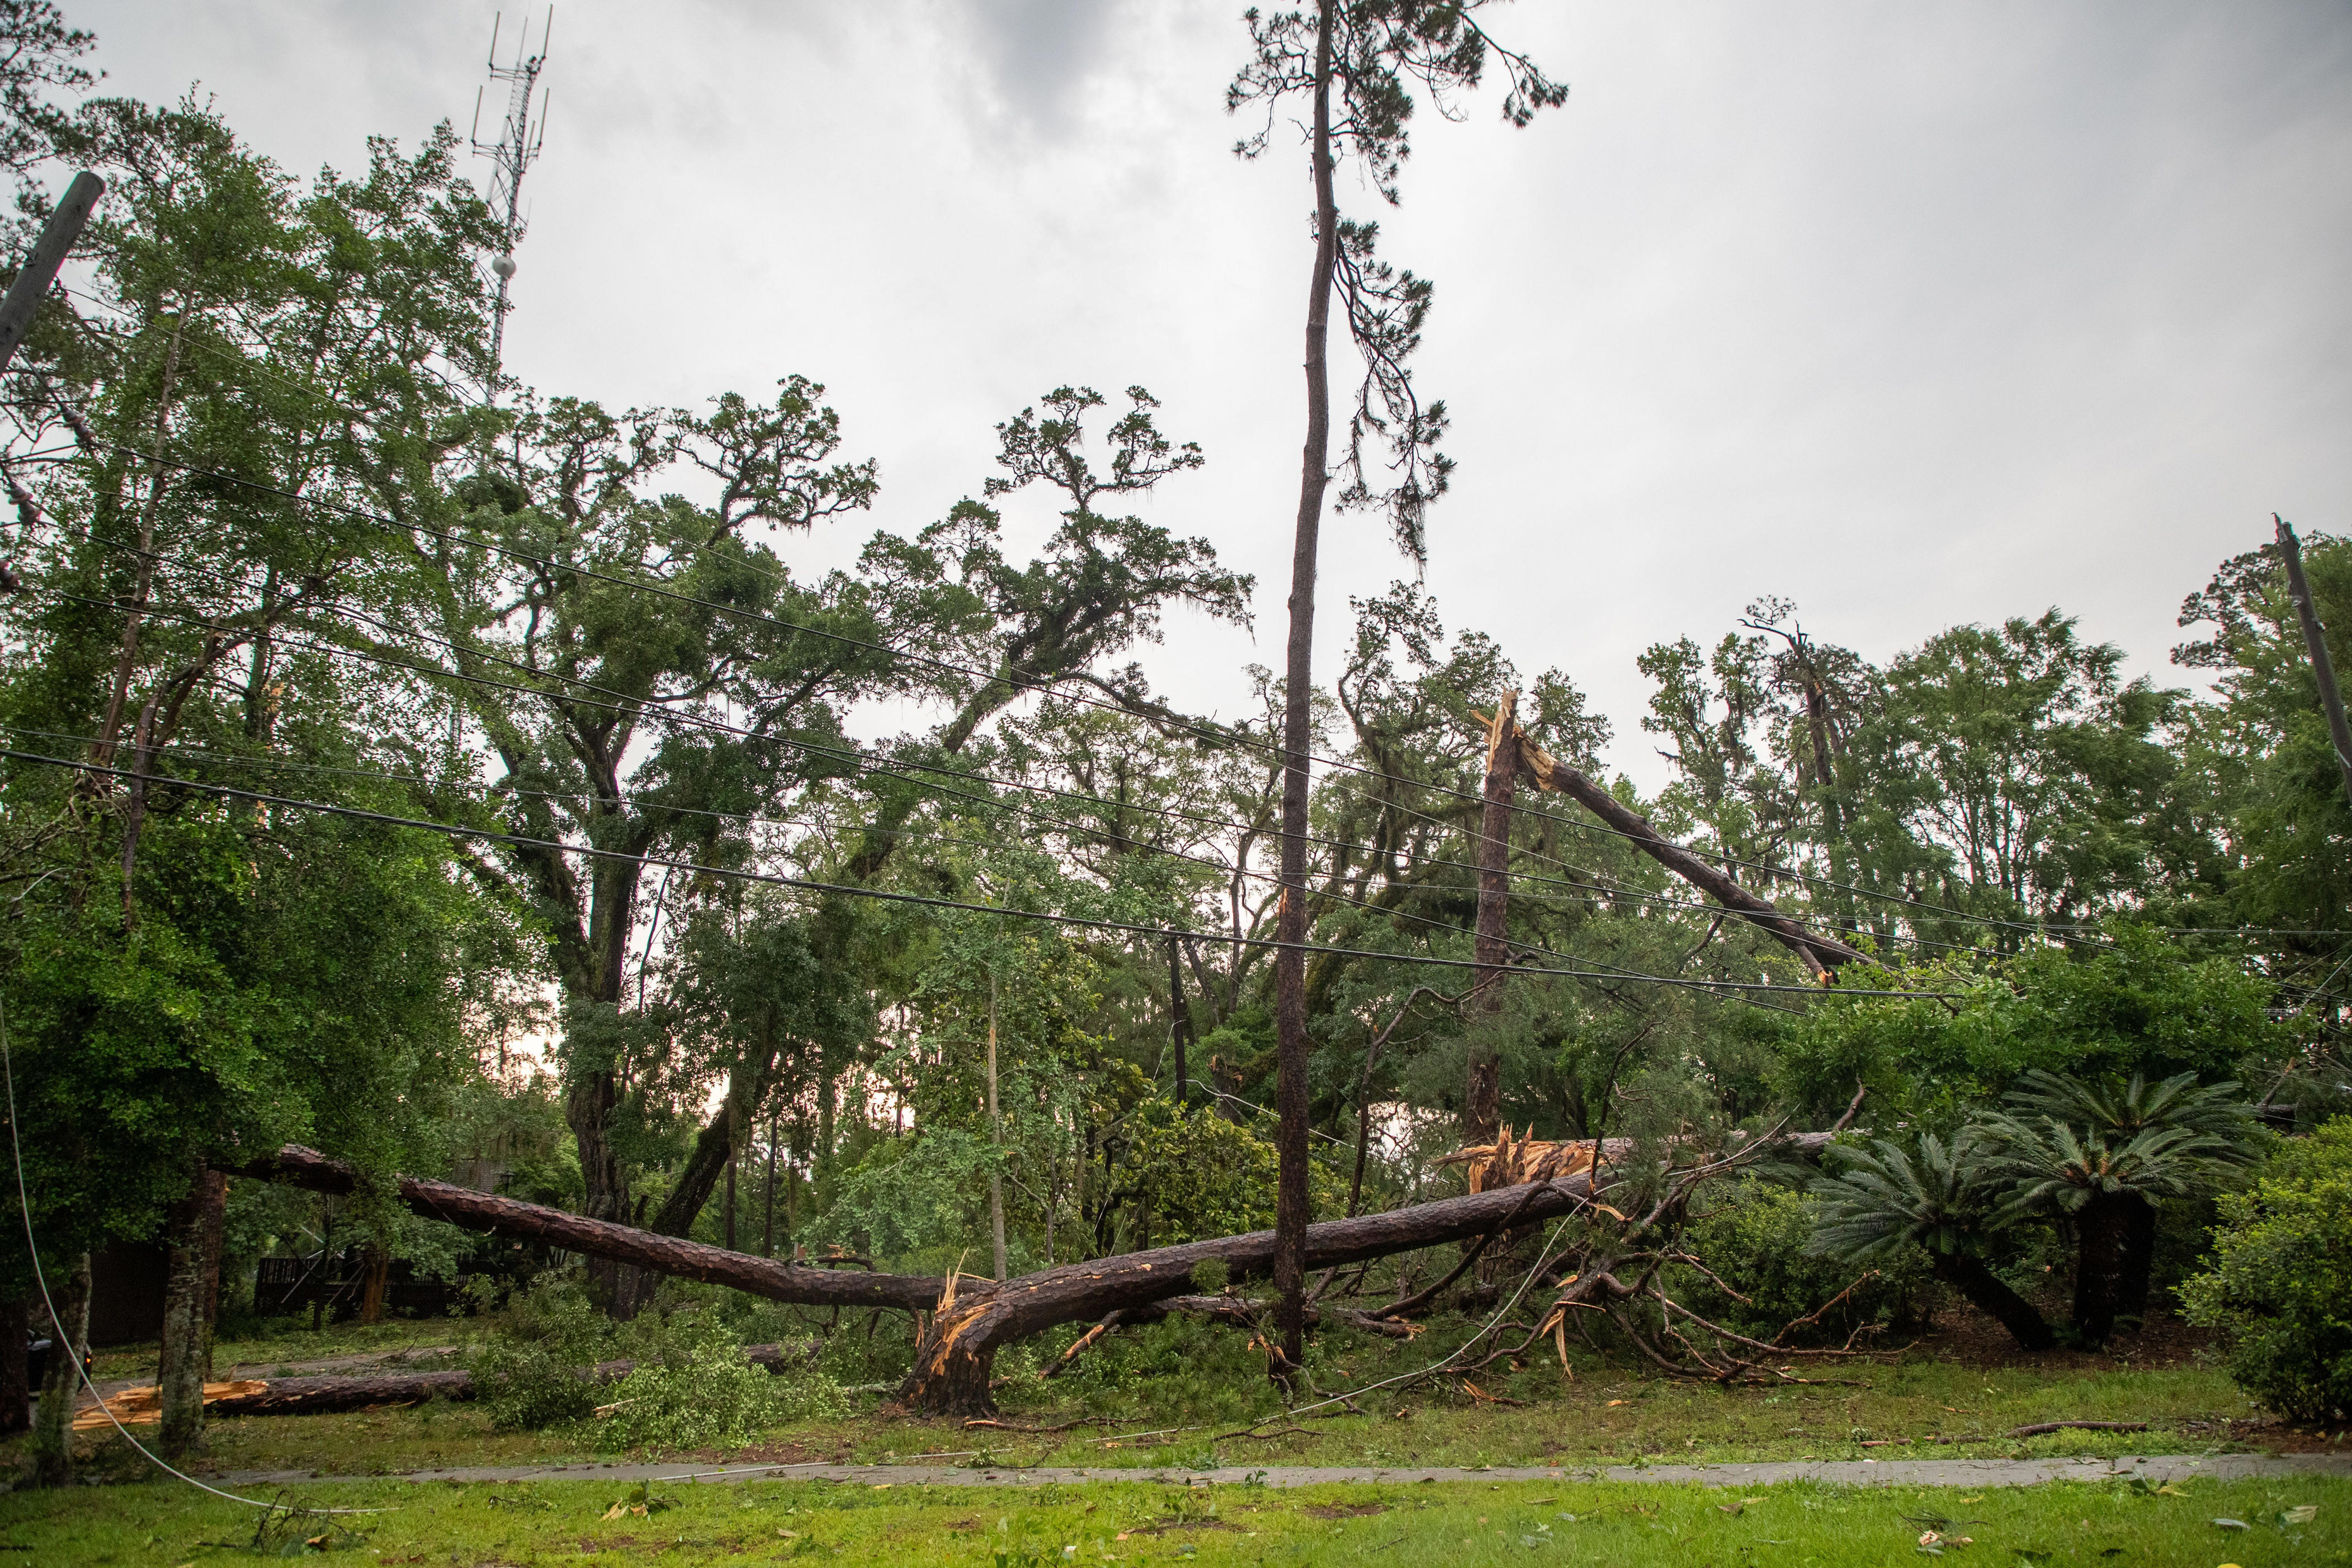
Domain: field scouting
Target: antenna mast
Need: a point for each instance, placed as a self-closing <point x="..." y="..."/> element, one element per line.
<point x="511" y="155"/>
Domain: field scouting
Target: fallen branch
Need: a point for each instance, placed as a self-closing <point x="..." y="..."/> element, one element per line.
<point x="2039" y="1427"/>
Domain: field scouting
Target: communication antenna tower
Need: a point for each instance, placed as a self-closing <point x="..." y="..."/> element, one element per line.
<point x="512" y="154"/>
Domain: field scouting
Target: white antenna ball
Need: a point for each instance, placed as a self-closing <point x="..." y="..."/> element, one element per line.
<point x="504" y="266"/>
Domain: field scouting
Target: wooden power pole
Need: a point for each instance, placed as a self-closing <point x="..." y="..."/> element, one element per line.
<point x="2313" y="633"/>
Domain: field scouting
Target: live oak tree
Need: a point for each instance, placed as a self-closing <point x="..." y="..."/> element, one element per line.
<point x="193" y="973"/>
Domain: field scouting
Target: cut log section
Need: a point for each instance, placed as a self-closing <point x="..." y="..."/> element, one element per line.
<point x="326" y="1395"/>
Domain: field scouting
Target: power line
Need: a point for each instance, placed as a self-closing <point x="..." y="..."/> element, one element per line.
<point x="1913" y="907"/>
<point x="806" y="884"/>
<point x="1606" y="969"/>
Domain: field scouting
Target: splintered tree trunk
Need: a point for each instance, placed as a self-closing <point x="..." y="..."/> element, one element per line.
<point x="956" y="1352"/>
<point x="957" y="1349"/>
<point x="1482" y="1100"/>
<point x="2100" y="1229"/>
<point x="2314" y="636"/>
<point x="180" y="1373"/>
<point x="1293" y="1204"/>
<point x="1966" y="1273"/>
<point x="61" y="1379"/>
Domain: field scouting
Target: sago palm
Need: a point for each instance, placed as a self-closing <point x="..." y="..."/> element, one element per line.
<point x="2105" y="1157"/>
<point x="1939" y="1198"/>
<point x="2125" y="1150"/>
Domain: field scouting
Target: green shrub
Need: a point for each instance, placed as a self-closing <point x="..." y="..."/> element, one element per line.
<point x="690" y="1387"/>
<point x="2279" y="1282"/>
<point x="700" y="1391"/>
<point x="1756" y="1242"/>
<point x="526" y="1375"/>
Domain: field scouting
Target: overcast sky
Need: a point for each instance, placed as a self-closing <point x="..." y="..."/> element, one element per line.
<point x="1912" y="313"/>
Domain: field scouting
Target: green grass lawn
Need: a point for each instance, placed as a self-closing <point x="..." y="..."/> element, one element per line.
<point x="1601" y="1418"/>
<point x="1624" y="1526"/>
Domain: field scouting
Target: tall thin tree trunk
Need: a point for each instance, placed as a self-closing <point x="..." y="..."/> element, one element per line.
<point x="1292" y="1201"/>
<point x="143" y="575"/>
<point x="768" y="1229"/>
<point x="180" y="1370"/>
<point x="1482" y="1100"/>
<point x="995" y="1139"/>
<point x="61" y="1379"/>
<point x="1180" y="1023"/>
<point x="730" y="1199"/>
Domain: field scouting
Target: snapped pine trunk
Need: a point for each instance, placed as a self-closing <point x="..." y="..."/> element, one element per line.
<point x="955" y="1355"/>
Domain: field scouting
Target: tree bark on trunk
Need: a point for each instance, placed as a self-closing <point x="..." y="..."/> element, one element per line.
<point x="1292" y="1201"/>
<point x="1966" y="1273"/>
<point x="2100" y="1227"/>
<point x="180" y="1369"/>
<point x="15" y="1390"/>
<point x="375" y="1279"/>
<point x="1482" y="1100"/>
<point x="61" y="1379"/>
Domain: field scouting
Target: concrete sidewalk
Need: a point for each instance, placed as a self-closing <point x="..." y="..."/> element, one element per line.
<point x="1833" y="1472"/>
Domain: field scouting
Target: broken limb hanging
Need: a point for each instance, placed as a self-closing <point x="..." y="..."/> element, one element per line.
<point x="1823" y="954"/>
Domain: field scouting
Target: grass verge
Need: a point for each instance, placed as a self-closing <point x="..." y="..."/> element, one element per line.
<point x="1627" y="1526"/>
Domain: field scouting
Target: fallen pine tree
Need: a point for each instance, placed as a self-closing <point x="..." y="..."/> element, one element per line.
<point x="963" y="1321"/>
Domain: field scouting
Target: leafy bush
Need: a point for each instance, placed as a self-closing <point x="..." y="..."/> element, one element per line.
<point x="2280" y="1279"/>
<point x="690" y="1388"/>
<point x="1203" y="1175"/>
<point x="526" y="1374"/>
<point x="701" y="1392"/>
<point x="1758" y="1242"/>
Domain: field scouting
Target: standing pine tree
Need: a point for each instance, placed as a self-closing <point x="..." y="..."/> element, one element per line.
<point x="1358" y="63"/>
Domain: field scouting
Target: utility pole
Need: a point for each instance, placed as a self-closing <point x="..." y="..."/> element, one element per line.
<point x="2299" y="588"/>
<point x="24" y="299"/>
<point x="40" y="268"/>
<point x="512" y="156"/>
<point x="995" y="1136"/>
<point x="1482" y="1102"/>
